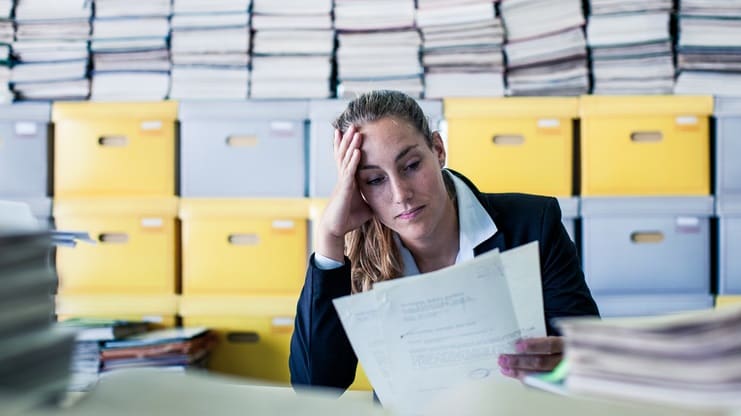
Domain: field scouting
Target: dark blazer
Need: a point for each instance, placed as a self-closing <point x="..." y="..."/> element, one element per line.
<point x="320" y="351"/>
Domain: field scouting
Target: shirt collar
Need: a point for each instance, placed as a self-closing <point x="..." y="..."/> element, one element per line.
<point x="474" y="227"/>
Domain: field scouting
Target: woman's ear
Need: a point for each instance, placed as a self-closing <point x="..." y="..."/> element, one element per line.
<point x="439" y="148"/>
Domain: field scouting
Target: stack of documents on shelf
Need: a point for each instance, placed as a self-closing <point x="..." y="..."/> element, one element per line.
<point x="174" y="349"/>
<point x="7" y="32"/>
<point x="420" y="336"/>
<point x="461" y="48"/>
<point x="34" y="358"/>
<point x="354" y="15"/>
<point x="709" y="47"/>
<point x="6" y="95"/>
<point x="210" y="49"/>
<point x="131" y="59"/>
<point x="631" y="47"/>
<point x="292" y="60"/>
<point x="6" y="7"/>
<point x="546" y="51"/>
<point x="684" y="360"/>
<point x="52" y="49"/>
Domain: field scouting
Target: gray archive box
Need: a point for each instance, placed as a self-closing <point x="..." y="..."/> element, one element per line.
<point x="647" y="245"/>
<point x="24" y="149"/>
<point x="40" y="208"/>
<point x="728" y="146"/>
<point x="611" y="306"/>
<point x="243" y="149"/>
<point x="569" y="214"/>
<point x="729" y="249"/>
<point x="322" y="113"/>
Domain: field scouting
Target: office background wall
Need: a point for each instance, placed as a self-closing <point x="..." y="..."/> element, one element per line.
<point x="192" y="140"/>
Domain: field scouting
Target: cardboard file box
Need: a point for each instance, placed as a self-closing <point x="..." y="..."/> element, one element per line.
<point x="647" y="145"/>
<point x="24" y="150"/>
<point x="243" y="149"/>
<point x="513" y="144"/>
<point x="160" y="310"/>
<point x="729" y="247"/>
<point x="611" y="306"/>
<point x="727" y="146"/>
<point x="114" y="149"/>
<point x="647" y="245"/>
<point x="136" y="250"/>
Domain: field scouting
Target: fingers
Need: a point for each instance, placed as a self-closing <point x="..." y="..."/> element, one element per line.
<point x="343" y="143"/>
<point x="544" y="345"/>
<point x="530" y="362"/>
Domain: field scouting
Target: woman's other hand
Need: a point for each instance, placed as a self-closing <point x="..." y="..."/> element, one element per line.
<point x="534" y="355"/>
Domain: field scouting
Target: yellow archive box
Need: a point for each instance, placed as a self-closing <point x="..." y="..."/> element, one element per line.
<point x="160" y="310"/>
<point x="515" y="144"/>
<point x="114" y="149"/>
<point x="254" y="334"/>
<point x="244" y="246"/>
<point x="727" y="300"/>
<point x="136" y="250"/>
<point x="645" y="145"/>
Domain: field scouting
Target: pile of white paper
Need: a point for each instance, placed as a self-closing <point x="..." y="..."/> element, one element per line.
<point x="709" y="47"/>
<point x="6" y="95"/>
<point x="6" y="23"/>
<point x="420" y="336"/>
<point x="210" y="49"/>
<point x="631" y="47"/>
<point x="51" y="49"/>
<point x="292" y="49"/>
<point x="377" y="47"/>
<point x="682" y="360"/>
<point x="546" y="51"/>
<point x="461" y="48"/>
<point x="130" y="55"/>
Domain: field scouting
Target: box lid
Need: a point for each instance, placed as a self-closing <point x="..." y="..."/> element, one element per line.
<point x="25" y="112"/>
<point x="244" y="207"/>
<point x="540" y="107"/>
<point x="728" y="205"/>
<point x="244" y="110"/>
<point x="727" y="106"/>
<point x="268" y="306"/>
<point x="91" y="305"/>
<point x="150" y="110"/>
<point x="608" y="206"/>
<point x="106" y="206"/>
<point x="40" y="206"/>
<point x="595" y="105"/>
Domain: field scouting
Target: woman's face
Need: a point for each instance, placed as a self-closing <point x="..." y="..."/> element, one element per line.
<point x="399" y="177"/>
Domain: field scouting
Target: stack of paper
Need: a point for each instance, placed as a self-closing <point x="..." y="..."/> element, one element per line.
<point x="34" y="358"/>
<point x="130" y="55"/>
<point x="377" y="47"/>
<point x="85" y="366"/>
<point x="6" y="23"/>
<point x="546" y="51"/>
<point x="6" y="95"/>
<point x="210" y="46"/>
<point x="52" y="49"/>
<point x="462" y="48"/>
<point x="420" y="336"/>
<point x="631" y="47"/>
<point x="292" y="49"/>
<point x="690" y="359"/>
<point x="709" y="47"/>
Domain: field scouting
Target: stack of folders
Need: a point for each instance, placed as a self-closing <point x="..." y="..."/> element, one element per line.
<point x="292" y="49"/>
<point x="546" y="50"/>
<point x="174" y="349"/>
<point x="89" y="335"/>
<point x="709" y="47"/>
<point x="378" y="47"/>
<point x="682" y="360"/>
<point x="6" y="38"/>
<point x="130" y="56"/>
<point x="461" y="48"/>
<point x="210" y="49"/>
<point x="51" y="49"/>
<point x="631" y="47"/>
<point x="34" y="357"/>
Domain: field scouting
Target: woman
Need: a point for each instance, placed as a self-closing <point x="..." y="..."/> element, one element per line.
<point x="396" y="212"/>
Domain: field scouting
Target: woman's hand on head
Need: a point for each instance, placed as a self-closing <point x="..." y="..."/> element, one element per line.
<point x="346" y="209"/>
<point x="534" y="355"/>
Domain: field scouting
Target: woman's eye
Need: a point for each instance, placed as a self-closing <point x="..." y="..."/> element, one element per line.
<point x="374" y="181"/>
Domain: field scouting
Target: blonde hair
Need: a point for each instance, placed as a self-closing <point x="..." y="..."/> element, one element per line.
<point x="372" y="251"/>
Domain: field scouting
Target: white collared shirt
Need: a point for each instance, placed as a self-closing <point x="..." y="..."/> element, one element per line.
<point x="474" y="227"/>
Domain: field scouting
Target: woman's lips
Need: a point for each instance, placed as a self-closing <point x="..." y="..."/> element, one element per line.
<point x="411" y="213"/>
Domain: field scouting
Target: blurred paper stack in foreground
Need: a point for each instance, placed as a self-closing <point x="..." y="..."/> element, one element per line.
<point x="462" y="48"/>
<point x="546" y="51"/>
<point x="51" y="49"/>
<point x="210" y="49"/>
<point x="292" y="49"/>
<point x="378" y="47"/>
<point x="631" y="47"/>
<point x="683" y="360"/>
<point x="709" y="47"/>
